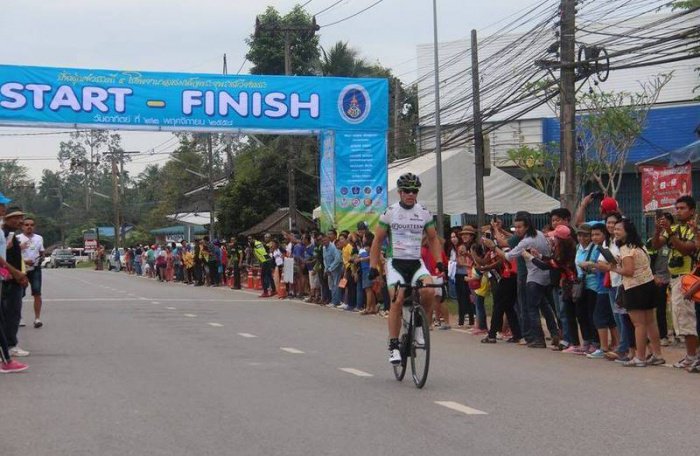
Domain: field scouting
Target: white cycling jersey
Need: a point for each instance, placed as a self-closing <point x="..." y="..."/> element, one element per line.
<point x="405" y="228"/>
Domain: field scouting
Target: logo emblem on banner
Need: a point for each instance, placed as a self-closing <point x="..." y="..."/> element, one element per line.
<point x="354" y="104"/>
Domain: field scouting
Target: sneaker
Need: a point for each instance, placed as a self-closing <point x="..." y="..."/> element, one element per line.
<point x="622" y="359"/>
<point x="598" y="354"/>
<point x="513" y="340"/>
<point x="571" y="349"/>
<point x="654" y="360"/>
<point x="488" y="340"/>
<point x="38" y="323"/>
<point x="685" y="362"/>
<point x="418" y="336"/>
<point x="634" y="362"/>
<point x="522" y="342"/>
<point x="395" y="356"/>
<point x="18" y="352"/>
<point x="537" y="344"/>
<point x="695" y="367"/>
<point x="22" y="324"/>
<point x="331" y="305"/>
<point x="582" y="350"/>
<point x="665" y="342"/>
<point x="444" y="327"/>
<point x="343" y="307"/>
<point x="12" y="367"/>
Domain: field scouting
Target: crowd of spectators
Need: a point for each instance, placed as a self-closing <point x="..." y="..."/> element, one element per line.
<point x="601" y="291"/>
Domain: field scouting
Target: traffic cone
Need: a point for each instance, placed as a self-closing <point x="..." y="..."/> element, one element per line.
<point x="251" y="280"/>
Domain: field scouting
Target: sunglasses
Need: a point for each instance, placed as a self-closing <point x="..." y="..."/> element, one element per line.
<point x="412" y="191"/>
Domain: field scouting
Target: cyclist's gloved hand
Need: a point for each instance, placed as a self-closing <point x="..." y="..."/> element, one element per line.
<point x="373" y="273"/>
<point x="440" y="267"/>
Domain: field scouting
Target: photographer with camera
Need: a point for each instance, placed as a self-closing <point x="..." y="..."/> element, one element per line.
<point x="680" y="239"/>
<point x="608" y="205"/>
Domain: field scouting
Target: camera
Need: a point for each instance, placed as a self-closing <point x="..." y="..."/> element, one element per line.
<point x="675" y="262"/>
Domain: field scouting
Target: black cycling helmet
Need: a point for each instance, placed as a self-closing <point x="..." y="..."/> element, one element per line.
<point x="408" y="181"/>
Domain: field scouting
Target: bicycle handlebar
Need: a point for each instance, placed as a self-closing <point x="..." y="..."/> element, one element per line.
<point x="418" y="286"/>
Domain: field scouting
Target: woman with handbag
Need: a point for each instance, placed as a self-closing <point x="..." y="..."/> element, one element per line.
<point x="640" y="294"/>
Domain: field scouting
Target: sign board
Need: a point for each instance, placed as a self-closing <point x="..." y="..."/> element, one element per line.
<point x="116" y="99"/>
<point x="662" y="186"/>
<point x="90" y="244"/>
<point x="350" y="115"/>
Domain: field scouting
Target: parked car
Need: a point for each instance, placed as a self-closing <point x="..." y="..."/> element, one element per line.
<point x="62" y="257"/>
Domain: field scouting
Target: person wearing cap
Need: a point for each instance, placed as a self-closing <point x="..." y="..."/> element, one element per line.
<point x="608" y="205"/>
<point x="12" y="289"/>
<point x="465" y="263"/>
<point x="7" y="364"/>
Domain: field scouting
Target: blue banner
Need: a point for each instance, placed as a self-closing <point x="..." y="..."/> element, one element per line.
<point x="361" y="181"/>
<point x="327" y="171"/>
<point x="131" y="100"/>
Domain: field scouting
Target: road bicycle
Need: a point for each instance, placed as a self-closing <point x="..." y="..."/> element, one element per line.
<point x="414" y="318"/>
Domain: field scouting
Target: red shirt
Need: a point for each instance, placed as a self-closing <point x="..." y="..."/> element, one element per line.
<point x="429" y="261"/>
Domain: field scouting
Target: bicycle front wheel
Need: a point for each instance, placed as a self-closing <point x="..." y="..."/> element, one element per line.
<point x="420" y="352"/>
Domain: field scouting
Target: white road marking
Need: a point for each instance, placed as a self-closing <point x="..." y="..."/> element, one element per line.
<point x="460" y="408"/>
<point x="171" y="308"/>
<point x="357" y="372"/>
<point x="155" y="302"/>
<point x="247" y="335"/>
<point x="291" y="350"/>
<point x="189" y="315"/>
<point x="216" y="325"/>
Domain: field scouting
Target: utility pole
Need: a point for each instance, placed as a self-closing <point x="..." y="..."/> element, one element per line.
<point x="115" y="201"/>
<point x="567" y="111"/>
<point x="117" y="157"/>
<point x="438" y="139"/>
<point x="287" y="31"/>
<point x="397" y="91"/>
<point x="291" y="182"/>
<point x="210" y="153"/>
<point x="478" y="135"/>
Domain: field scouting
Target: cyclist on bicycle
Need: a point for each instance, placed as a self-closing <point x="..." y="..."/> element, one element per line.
<point x="405" y="222"/>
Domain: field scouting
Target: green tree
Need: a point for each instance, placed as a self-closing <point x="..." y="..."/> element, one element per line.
<point x="266" y="48"/>
<point x="342" y="60"/>
<point x="540" y="166"/>
<point x="609" y="127"/>
<point x="83" y="155"/>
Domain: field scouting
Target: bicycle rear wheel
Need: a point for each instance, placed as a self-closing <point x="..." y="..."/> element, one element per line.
<point x="400" y="369"/>
<point x="420" y="354"/>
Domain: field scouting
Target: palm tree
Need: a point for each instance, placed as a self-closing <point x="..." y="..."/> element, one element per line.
<point x="342" y="60"/>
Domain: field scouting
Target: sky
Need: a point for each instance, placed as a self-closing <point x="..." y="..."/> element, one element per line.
<point x="192" y="36"/>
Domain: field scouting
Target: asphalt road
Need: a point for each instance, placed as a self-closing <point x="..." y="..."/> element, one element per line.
<point x="129" y="366"/>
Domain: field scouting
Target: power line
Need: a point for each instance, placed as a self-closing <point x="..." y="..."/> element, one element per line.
<point x="355" y="14"/>
<point x="329" y="7"/>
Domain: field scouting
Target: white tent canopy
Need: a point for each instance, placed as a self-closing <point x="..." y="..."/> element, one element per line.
<point x="503" y="193"/>
<point x="190" y="218"/>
